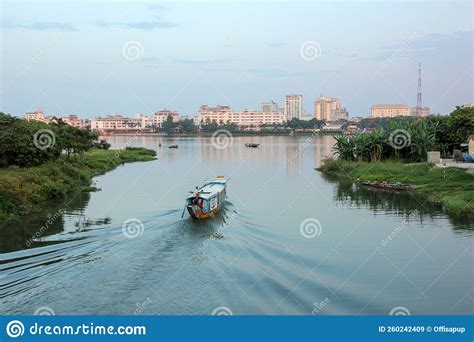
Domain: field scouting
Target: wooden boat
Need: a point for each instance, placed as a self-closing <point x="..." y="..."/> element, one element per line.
<point x="173" y="146"/>
<point x="252" y="145"/>
<point x="207" y="200"/>
<point x="389" y="186"/>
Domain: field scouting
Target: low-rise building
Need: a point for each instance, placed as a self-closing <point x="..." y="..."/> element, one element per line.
<point x="246" y="118"/>
<point x="119" y="123"/>
<point x="389" y="110"/>
<point x="425" y="111"/>
<point x="37" y="115"/>
<point x="72" y="120"/>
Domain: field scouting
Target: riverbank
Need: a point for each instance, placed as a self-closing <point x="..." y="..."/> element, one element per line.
<point x="24" y="190"/>
<point x="210" y="134"/>
<point x="452" y="187"/>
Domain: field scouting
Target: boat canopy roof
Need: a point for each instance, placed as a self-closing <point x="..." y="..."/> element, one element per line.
<point x="211" y="188"/>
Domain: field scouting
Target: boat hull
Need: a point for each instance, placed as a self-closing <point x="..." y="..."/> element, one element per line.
<point x="197" y="213"/>
<point x="207" y="200"/>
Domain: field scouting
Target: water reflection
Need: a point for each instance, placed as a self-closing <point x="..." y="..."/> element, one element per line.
<point x="408" y="205"/>
<point x="32" y="230"/>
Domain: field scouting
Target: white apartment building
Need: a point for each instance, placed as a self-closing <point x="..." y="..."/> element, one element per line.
<point x="119" y="123"/>
<point x="160" y="117"/>
<point x="293" y="106"/>
<point x="246" y="118"/>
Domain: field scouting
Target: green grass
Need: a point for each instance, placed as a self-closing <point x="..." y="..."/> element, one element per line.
<point x="452" y="186"/>
<point x="23" y="190"/>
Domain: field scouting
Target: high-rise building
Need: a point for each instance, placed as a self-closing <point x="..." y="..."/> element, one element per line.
<point x="160" y="117"/>
<point x="329" y="109"/>
<point x="269" y="107"/>
<point x="293" y="106"/>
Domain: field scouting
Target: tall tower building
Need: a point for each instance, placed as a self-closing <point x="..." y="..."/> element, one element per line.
<point x="269" y="107"/>
<point x="293" y="106"/>
<point x="329" y="109"/>
<point x="419" y="108"/>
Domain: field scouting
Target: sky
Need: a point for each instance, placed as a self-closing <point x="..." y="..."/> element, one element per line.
<point x="96" y="58"/>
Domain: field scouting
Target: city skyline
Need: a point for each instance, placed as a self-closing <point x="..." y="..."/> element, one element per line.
<point x="143" y="57"/>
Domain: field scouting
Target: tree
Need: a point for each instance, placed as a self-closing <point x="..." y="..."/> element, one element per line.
<point x="26" y="143"/>
<point x="168" y="125"/>
<point x="460" y="124"/>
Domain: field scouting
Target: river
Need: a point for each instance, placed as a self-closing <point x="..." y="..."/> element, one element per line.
<point x="290" y="241"/>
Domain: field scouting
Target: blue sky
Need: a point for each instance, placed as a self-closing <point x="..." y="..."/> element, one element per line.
<point x="96" y="58"/>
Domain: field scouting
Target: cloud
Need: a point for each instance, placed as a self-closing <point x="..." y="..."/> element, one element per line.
<point x="430" y="44"/>
<point x="279" y="72"/>
<point x="276" y="44"/>
<point x="150" y="59"/>
<point x="40" y="26"/>
<point x="141" y="25"/>
<point x="339" y="53"/>
<point x="200" y="61"/>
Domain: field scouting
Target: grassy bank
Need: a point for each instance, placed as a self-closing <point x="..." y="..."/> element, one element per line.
<point x="23" y="190"/>
<point x="452" y="187"/>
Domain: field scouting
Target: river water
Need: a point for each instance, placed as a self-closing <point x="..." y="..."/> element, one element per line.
<point x="290" y="241"/>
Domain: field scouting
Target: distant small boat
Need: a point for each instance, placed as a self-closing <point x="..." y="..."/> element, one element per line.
<point x="389" y="186"/>
<point x="207" y="200"/>
<point x="173" y="146"/>
<point x="252" y="145"/>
